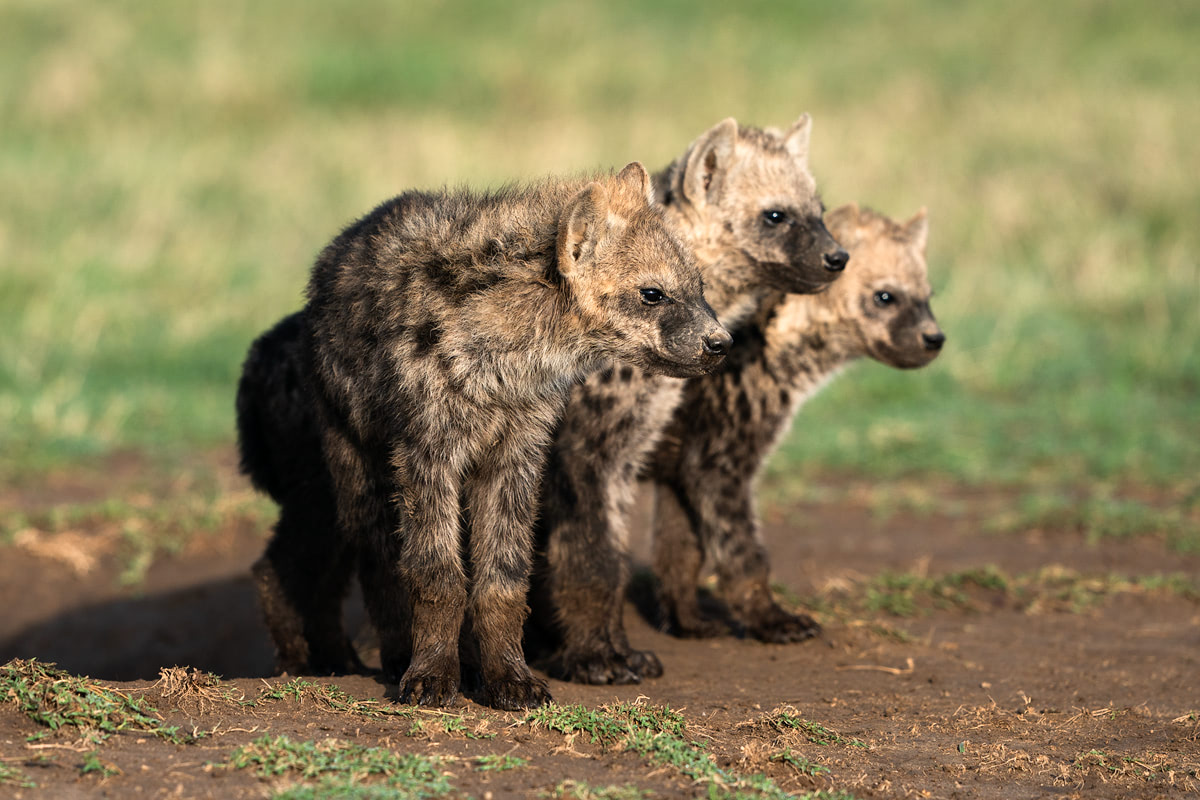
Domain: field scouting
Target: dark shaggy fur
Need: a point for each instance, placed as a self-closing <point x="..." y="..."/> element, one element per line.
<point x="441" y="336"/>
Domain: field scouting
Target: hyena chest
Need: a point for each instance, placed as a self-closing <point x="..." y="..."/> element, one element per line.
<point x="466" y="433"/>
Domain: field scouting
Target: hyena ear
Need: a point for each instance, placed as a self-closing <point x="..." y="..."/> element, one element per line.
<point x="707" y="161"/>
<point x="843" y="223"/>
<point x="635" y="176"/>
<point x="796" y="140"/>
<point x="581" y="227"/>
<point x="917" y="229"/>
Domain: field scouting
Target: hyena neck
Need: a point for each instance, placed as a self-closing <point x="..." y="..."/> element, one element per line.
<point x="806" y="345"/>
<point x="725" y="289"/>
<point x="543" y="348"/>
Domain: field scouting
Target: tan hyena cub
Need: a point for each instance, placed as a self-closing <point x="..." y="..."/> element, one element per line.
<point x="745" y="200"/>
<point x="443" y="333"/>
<point x="705" y="469"/>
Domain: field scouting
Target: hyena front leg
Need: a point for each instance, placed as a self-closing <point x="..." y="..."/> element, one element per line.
<point x="728" y="527"/>
<point x="432" y="573"/>
<point x="678" y="559"/>
<point x="502" y="498"/>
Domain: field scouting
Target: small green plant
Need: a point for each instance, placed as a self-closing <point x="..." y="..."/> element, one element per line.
<point x="334" y="789"/>
<point x="332" y="698"/>
<point x="57" y="699"/>
<point x="1050" y="588"/>
<point x="905" y="594"/>
<point x="658" y="734"/>
<point x="455" y="724"/>
<point x="799" y="763"/>
<point x="578" y="790"/>
<point x="13" y="776"/>
<point x="92" y="765"/>
<point x="600" y="728"/>
<point x="785" y="718"/>
<point x="499" y="762"/>
<point x="340" y="766"/>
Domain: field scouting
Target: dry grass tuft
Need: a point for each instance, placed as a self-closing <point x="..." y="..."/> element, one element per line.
<point x="195" y="688"/>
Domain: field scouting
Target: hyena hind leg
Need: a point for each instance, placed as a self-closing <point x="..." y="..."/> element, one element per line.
<point x="678" y="559"/>
<point x="302" y="580"/>
<point x="743" y="576"/>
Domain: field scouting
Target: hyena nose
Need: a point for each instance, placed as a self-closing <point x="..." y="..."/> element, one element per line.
<point x="837" y="260"/>
<point x="934" y="341"/>
<point x="717" y="344"/>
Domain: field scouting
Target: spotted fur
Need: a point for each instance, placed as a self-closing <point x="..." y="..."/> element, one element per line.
<point x="705" y="468"/>
<point x="745" y="200"/>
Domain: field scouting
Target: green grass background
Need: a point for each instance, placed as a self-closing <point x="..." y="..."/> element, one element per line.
<point x="170" y="170"/>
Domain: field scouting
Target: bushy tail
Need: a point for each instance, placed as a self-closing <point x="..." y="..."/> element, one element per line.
<point x="278" y="437"/>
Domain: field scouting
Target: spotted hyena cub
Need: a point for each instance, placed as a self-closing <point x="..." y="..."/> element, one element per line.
<point x="443" y="332"/>
<point x="705" y="468"/>
<point x="746" y="202"/>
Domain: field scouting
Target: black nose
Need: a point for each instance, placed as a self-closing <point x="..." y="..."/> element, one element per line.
<point x="934" y="341"/>
<point x="717" y="344"/>
<point x="837" y="260"/>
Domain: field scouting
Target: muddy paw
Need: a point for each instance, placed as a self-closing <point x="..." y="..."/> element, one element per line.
<point x="644" y="663"/>
<point x="699" y="628"/>
<point x="599" y="668"/>
<point x="517" y="693"/>
<point x="781" y="627"/>
<point x="422" y="688"/>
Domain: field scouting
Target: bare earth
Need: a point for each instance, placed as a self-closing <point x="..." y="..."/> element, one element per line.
<point x="994" y="695"/>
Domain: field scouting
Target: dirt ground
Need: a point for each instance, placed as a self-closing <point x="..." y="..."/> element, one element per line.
<point x="1082" y="686"/>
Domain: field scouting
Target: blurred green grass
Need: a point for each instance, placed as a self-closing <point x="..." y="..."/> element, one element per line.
<point x="171" y="170"/>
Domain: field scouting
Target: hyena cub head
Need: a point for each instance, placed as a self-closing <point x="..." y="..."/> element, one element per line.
<point x="636" y="283"/>
<point x="748" y="192"/>
<point x="885" y="294"/>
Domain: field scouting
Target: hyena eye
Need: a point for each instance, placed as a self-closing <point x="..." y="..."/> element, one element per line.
<point x="773" y="217"/>
<point x="884" y="298"/>
<point x="652" y="296"/>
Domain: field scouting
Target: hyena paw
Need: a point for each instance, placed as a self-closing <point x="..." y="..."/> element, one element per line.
<point x="782" y="627"/>
<point x="517" y="692"/>
<point x="698" y="627"/>
<point x="644" y="663"/>
<point x="428" y="688"/>
<point x="599" y="668"/>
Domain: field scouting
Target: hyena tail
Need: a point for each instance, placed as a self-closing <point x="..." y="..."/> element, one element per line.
<point x="278" y="438"/>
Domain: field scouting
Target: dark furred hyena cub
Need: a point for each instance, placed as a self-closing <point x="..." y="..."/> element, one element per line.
<point x="706" y="466"/>
<point x="443" y="332"/>
<point x="745" y="200"/>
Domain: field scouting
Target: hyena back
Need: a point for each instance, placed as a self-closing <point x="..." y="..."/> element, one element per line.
<point x="442" y="334"/>
<point x="745" y="200"/>
<point x="705" y="468"/>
